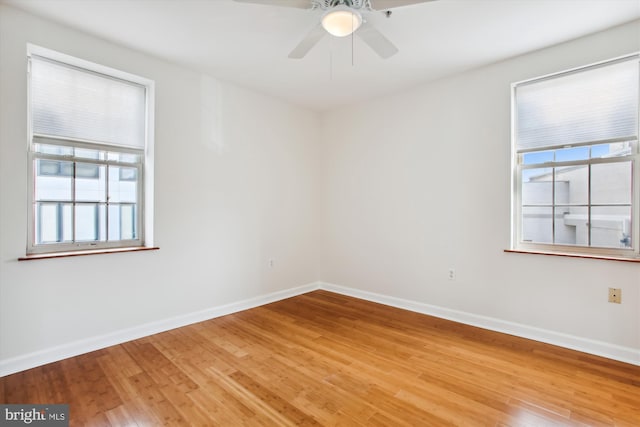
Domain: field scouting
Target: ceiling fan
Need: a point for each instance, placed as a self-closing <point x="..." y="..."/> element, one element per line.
<point x="341" y="18"/>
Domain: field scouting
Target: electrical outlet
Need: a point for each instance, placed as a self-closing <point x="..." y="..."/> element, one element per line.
<point x="615" y="295"/>
<point x="271" y="263"/>
<point x="452" y="274"/>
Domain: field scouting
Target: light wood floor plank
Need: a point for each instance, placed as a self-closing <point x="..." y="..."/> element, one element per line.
<point x="327" y="359"/>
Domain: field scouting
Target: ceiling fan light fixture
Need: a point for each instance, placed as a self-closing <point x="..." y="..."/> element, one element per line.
<point x="341" y="21"/>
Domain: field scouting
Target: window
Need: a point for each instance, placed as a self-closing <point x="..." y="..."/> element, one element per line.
<point x="575" y="157"/>
<point x="87" y="155"/>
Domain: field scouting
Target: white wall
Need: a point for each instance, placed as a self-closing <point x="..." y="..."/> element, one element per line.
<point x="419" y="182"/>
<point x="236" y="177"/>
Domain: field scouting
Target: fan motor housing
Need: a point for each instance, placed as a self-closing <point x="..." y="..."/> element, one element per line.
<point x="353" y="4"/>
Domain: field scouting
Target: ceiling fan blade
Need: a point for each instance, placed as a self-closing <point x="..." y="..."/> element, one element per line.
<point x="390" y="4"/>
<point x="308" y="42"/>
<point x="376" y="41"/>
<point x="300" y="4"/>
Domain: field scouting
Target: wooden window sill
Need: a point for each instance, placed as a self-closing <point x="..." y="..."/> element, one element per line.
<point x="573" y="255"/>
<point x="50" y="255"/>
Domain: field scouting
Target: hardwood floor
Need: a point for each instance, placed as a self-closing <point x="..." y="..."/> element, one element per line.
<point x="327" y="359"/>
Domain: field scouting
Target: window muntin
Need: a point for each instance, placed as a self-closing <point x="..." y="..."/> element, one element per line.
<point x="86" y="159"/>
<point x="575" y="160"/>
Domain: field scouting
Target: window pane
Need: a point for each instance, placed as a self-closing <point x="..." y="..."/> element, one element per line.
<point x="124" y="157"/>
<point x="91" y="183"/>
<point x="74" y="103"/>
<point x="536" y="186"/>
<point x="123" y="184"/>
<point x="571" y="225"/>
<point x="53" y="180"/>
<point x="572" y="185"/>
<point x="84" y="153"/>
<point x="594" y="104"/>
<point x="58" y="150"/>
<point x="87" y="170"/>
<point x="570" y="154"/>
<point x="537" y="224"/>
<point x="67" y="222"/>
<point x="53" y="168"/>
<point x="53" y="222"/>
<point x="48" y="223"/>
<point x="611" y="183"/>
<point x="616" y="149"/>
<point x="90" y="222"/>
<point x="538" y="157"/>
<point x="122" y="222"/>
<point x="611" y="226"/>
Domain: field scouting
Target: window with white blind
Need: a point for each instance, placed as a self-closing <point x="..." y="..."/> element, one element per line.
<point x="575" y="157"/>
<point x="87" y="155"/>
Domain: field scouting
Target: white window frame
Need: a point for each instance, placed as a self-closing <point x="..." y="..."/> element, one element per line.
<point x="517" y="167"/>
<point x="144" y="202"/>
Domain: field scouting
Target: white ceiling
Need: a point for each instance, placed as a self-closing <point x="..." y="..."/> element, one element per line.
<point x="248" y="44"/>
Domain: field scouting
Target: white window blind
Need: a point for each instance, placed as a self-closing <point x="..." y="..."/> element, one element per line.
<point x="598" y="104"/>
<point x="73" y="103"/>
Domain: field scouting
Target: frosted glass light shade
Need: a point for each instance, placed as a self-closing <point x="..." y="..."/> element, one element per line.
<point x="341" y="21"/>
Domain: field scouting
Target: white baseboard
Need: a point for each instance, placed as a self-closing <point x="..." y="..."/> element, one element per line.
<point x="53" y="354"/>
<point x="598" y="348"/>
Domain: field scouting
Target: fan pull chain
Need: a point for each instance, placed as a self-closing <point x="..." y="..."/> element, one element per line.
<point x="330" y="59"/>
<point x="352" y="42"/>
